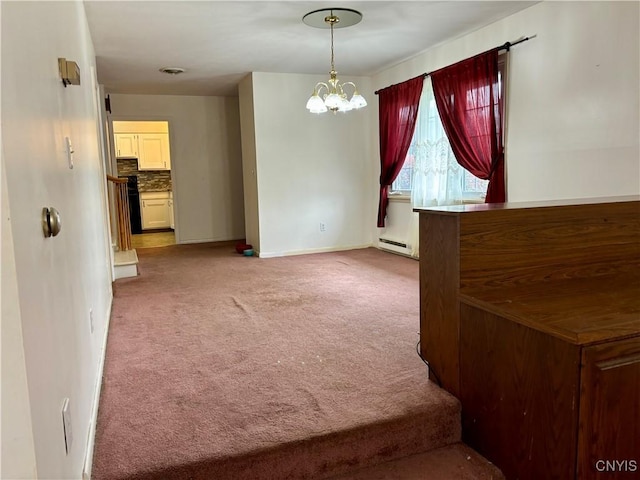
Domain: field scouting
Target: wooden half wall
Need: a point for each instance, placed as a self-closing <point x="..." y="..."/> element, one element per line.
<point x="466" y="248"/>
<point x="530" y="315"/>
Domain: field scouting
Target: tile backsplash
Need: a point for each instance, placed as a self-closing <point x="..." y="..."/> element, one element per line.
<point x="148" y="180"/>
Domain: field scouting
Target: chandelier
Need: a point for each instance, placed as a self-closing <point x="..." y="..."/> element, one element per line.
<point x="334" y="97"/>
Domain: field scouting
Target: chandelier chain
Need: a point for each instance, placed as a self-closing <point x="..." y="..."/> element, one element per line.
<point x="333" y="68"/>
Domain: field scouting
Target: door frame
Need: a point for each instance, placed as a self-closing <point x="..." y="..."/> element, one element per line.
<point x="114" y="162"/>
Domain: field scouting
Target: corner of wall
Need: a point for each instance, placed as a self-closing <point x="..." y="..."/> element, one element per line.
<point x="17" y="444"/>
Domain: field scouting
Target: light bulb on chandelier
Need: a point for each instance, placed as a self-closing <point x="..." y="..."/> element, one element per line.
<point x="335" y="98"/>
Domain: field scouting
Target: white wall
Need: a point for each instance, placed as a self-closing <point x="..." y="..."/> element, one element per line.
<point x="573" y="97"/>
<point x="204" y="134"/>
<point x="311" y="169"/>
<point x="56" y="281"/>
<point x="17" y="455"/>
<point x="249" y="166"/>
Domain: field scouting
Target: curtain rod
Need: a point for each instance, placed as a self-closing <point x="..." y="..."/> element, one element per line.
<point x="505" y="46"/>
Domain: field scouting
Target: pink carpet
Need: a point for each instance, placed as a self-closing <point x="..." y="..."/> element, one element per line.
<point x="222" y="367"/>
<point x="453" y="462"/>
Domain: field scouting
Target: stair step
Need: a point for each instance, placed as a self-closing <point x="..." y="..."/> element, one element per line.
<point x="125" y="257"/>
<point x="125" y="264"/>
<point x="434" y="424"/>
<point x="454" y="462"/>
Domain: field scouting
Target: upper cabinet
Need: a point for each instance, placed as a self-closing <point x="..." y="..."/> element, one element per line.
<point x="153" y="150"/>
<point x="126" y="145"/>
<point x="146" y="141"/>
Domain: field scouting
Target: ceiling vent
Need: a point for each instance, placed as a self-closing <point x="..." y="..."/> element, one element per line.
<point x="172" y="70"/>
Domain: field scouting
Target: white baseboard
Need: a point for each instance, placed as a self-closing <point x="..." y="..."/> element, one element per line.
<point x="91" y="438"/>
<point x="312" y="250"/>
<point x="207" y="240"/>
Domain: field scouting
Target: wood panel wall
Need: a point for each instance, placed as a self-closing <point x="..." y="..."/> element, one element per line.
<point x="513" y="247"/>
<point x="471" y="247"/>
<point x="530" y="315"/>
<point x="439" y="288"/>
<point x="510" y="375"/>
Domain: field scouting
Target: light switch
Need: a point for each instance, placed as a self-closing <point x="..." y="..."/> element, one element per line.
<point x="70" y="152"/>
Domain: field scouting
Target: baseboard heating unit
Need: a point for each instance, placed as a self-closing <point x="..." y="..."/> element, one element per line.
<point x="394" y="247"/>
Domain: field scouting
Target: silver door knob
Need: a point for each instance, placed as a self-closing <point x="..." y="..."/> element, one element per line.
<point x="51" y="223"/>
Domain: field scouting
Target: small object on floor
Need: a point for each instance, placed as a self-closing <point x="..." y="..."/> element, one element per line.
<point x="248" y="252"/>
<point x="242" y="246"/>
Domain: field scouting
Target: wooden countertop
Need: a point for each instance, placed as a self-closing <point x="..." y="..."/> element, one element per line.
<point x="483" y="207"/>
<point x="581" y="311"/>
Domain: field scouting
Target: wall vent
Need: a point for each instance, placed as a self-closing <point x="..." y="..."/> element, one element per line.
<point x="394" y="246"/>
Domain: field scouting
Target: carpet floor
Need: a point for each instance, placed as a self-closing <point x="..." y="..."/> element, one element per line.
<point x="453" y="462"/>
<point x="220" y="366"/>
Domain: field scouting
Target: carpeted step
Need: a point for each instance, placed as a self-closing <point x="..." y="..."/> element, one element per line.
<point x="454" y="462"/>
<point x="430" y="426"/>
<point x="342" y="451"/>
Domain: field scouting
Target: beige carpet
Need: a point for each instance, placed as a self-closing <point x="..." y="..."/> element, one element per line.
<point x="221" y="366"/>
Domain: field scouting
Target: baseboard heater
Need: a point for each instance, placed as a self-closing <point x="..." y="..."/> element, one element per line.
<point x="394" y="247"/>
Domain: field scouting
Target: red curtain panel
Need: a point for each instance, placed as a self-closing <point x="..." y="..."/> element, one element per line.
<point x="470" y="105"/>
<point x="398" y="111"/>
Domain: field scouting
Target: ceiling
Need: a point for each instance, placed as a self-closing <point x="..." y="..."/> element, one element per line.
<point x="219" y="42"/>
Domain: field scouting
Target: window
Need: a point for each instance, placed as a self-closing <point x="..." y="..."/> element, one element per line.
<point x="429" y="134"/>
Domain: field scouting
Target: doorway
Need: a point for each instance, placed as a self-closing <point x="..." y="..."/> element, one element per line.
<point x="143" y="156"/>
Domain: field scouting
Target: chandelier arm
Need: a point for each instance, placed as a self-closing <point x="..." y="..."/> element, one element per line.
<point x="318" y="88"/>
<point x="355" y="89"/>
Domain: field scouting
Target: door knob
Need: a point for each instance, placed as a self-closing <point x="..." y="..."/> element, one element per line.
<point x="51" y="223"/>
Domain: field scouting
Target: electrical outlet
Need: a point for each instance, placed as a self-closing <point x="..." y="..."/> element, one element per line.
<point x="91" y="319"/>
<point x="66" y="425"/>
<point x="323" y="227"/>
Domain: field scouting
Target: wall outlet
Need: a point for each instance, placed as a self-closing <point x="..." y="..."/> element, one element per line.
<point x="91" y="319"/>
<point x="323" y="227"/>
<point x="66" y="425"/>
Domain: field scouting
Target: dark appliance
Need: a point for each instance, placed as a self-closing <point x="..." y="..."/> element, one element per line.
<point x="134" y="204"/>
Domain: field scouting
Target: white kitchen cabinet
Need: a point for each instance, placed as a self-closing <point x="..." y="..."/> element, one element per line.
<point x="153" y="151"/>
<point x="126" y="145"/>
<point x="155" y="210"/>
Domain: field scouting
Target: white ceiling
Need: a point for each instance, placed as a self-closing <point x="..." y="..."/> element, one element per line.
<point x="219" y="42"/>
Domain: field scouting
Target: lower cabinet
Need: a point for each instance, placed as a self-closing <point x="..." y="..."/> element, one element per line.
<point x="155" y="209"/>
<point x="609" y="434"/>
<point x="540" y="407"/>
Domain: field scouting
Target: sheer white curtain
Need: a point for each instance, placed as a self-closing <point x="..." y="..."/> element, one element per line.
<point x="437" y="176"/>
